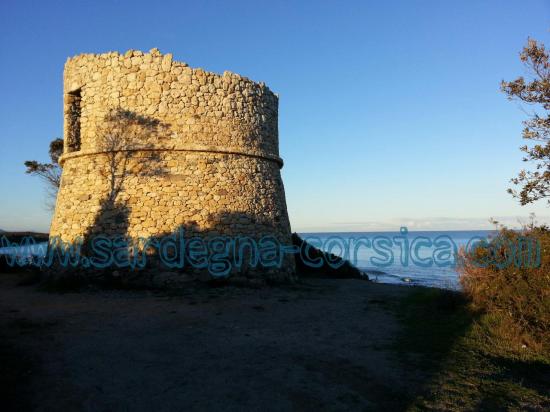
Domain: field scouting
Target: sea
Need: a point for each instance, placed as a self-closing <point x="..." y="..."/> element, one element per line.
<point x="425" y="258"/>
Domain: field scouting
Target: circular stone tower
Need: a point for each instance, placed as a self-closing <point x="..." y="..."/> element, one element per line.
<point x="152" y="145"/>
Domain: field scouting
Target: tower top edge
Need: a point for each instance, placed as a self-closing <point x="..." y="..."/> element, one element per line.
<point x="115" y="57"/>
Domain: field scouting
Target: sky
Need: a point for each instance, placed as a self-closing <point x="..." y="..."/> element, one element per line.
<point x="390" y="112"/>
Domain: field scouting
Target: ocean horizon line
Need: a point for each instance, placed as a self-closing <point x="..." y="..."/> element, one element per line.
<point x="396" y="231"/>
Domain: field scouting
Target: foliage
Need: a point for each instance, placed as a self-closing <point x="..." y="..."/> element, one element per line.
<point x="49" y="172"/>
<point x="509" y="278"/>
<point x="535" y="91"/>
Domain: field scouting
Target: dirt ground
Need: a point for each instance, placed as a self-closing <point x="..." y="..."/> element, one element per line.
<point x="322" y="344"/>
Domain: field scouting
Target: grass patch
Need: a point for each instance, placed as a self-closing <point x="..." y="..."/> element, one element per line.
<point x="464" y="358"/>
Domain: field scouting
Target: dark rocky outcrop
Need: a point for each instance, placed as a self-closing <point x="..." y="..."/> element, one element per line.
<point x="332" y="266"/>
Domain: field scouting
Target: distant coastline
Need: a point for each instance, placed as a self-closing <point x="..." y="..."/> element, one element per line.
<point x="17" y="236"/>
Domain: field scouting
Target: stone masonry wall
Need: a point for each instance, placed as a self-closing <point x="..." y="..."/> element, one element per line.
<point x="152" y="144"/>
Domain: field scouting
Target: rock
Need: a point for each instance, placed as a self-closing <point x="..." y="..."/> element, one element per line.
<point x="166" y="62"/>
<point x="154" y="52"/>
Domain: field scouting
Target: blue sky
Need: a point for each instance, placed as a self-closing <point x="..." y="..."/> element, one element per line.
<point x="390" y="112"/>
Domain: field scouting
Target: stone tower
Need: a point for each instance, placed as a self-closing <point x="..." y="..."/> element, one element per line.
<point x="152" y="145"/>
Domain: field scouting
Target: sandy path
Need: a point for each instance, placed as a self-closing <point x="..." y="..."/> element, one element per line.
<point x="320" y="343"/>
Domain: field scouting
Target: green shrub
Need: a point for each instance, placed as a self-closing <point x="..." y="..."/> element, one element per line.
<point x="508" y="277"/>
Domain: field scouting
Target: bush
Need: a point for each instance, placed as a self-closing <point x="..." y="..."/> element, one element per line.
<point x="508" y="277"/>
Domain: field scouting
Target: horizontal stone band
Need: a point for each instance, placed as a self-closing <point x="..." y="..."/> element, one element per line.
<point x="185" y="148"/>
